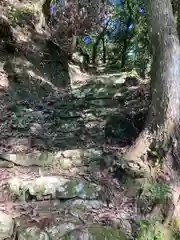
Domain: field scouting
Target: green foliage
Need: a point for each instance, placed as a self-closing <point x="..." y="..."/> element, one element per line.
<point x="20" y="120"/>
<point x="157" y="158"/>
<point x="156" y="154"/>
<point x="129" y="45"/>
<point x="177" y="235"/>
<point x="154" y="230"/>
<point x="133" y="73"/>
<point x="86" y="48"/>
<point x="147" y="231"/>
<point x="22" y="15"/>
<point x="156" y="192"/>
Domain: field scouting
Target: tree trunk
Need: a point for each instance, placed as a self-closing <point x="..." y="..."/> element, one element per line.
<point x="174" y="6"/>
<point x="178" y="18"/>
<point x="96" y="44"/>
<point x="104" y="49"/>
<point x="162" y="123"/>
<point x="43" y="7"/>
<point x="73" y="45"/>
<point x="124" y="53"/>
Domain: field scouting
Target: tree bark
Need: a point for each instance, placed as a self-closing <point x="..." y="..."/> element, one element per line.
<point x="164" y="112"/>
<point x="174" y="6"/>
<point x="162" y="123"/>
<point x="104" y="49"/>
<point x="42" y="7"/>
<point x="96" y="44"/>
<point x="178" y="18"/>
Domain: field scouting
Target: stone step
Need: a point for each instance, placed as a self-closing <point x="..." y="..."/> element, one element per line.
<point x="27" y="188"/>
<point x="60" y="160"/>
<point x="69" y="228"/>
<point x="30" y="214"/>
<point x="47" y="207"/>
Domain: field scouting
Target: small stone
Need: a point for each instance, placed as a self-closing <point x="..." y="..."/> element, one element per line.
<point x="36" y="129"/>
<point x="74" y="154"/>
<point x="6" y="226"/>
<point x="66" y="163"/>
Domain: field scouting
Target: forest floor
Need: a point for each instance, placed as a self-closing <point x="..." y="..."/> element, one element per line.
<point x="62" y="133"/>
<point x="57" y="137"/>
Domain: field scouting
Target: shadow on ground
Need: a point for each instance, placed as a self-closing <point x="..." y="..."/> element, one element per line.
<point x="61" y="135"/>
<point x="49" y="117"/>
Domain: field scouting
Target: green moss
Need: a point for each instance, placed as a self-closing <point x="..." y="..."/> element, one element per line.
<point x="156" y="192"/>
<point x="22" y="15"/>
<point x="153" y="230"/>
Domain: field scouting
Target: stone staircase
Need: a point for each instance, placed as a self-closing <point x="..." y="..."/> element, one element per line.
<point x="54" y="182"/>
<point x="51" y="195"/>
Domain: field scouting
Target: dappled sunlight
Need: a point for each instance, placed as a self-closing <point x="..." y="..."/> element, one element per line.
<point x="42" y="79"/>
<point x="77" y="76"/>
<point x="4" y="83"/>
<point x="78" y="115"/>
<point x="88" y="146"/>
<point x="61" y="151"/>
<point x="59" y="147"/>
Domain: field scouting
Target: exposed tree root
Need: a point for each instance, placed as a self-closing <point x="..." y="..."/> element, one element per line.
<point x="135" y="161"/>
<point x="173" y="180"/>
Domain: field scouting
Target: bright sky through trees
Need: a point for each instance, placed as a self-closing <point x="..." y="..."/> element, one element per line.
<point x="114" y="25"/>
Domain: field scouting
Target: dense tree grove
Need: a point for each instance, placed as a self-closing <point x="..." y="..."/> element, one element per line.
<point x="112" y="28"/>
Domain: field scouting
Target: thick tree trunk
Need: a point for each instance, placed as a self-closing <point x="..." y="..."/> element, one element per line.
<point x="163" y="121"/>
<point x="104" y="50"/>
<point x="178" y="18"/>
<point x="164" y="112"/>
